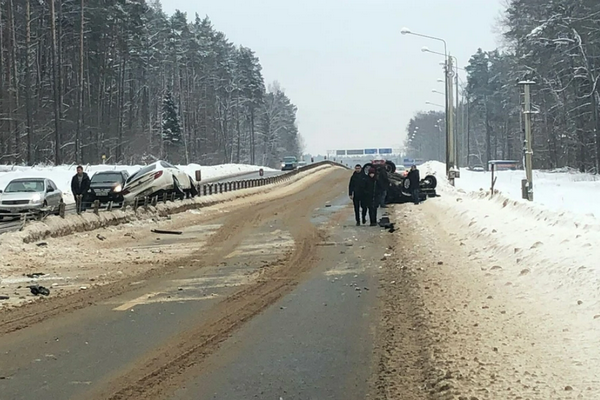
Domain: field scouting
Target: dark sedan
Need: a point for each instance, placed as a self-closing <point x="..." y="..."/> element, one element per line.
<point x="106" y="186"/>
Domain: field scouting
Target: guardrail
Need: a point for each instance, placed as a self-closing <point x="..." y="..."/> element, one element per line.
<point x="203" y="189"/>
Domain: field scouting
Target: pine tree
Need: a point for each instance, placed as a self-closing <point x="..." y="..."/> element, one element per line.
<point x="171" y="128"/>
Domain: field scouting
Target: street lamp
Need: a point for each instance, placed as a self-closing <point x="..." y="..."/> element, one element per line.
<point x="433" y="104"/>
<point x="427" y="50"/>
<point x="438" y="92"/>
<point x="450" y="155"/>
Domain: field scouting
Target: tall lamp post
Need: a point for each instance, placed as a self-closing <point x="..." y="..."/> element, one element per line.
<point x="427" y="50"/>
<point x="451" y="171"/>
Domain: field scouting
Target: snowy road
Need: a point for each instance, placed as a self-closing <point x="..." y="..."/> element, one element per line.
<point x="280" y="305"/>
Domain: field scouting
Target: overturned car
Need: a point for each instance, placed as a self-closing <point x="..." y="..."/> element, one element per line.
<point x="400" y="190"/>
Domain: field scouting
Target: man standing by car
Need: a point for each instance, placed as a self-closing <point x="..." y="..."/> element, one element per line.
<point x="384" y="183"/>
<point x="371" y="196"/>
<point x="414" y="179"/>
<point x="356" y="190"/>
<point x="80" y="184"/>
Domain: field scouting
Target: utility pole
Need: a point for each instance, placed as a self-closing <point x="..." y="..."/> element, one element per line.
<point x="451" y="169"/>
<point x="527" y="184"/>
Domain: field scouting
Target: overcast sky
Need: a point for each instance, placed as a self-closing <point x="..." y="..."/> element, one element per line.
<point x="355" y="79"/>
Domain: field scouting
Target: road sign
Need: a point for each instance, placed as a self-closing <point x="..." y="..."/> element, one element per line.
<point x="340" y="152"/>
<point x="385" y="151"/>
<point x="355" y="152"/>
<point x="370" y="151"/>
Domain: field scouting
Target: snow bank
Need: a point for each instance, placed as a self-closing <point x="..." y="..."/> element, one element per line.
<point x="61" y="175"/>
<point x="547" y="248"/>
<point x="54" y="226"/>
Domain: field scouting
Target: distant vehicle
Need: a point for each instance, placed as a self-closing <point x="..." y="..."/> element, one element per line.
<point x="477" y="168"/>
<point x="30" y="194"/>
<point x="107" y="186"/>
<point x="301" y="164"/>
<point x="156" y="179"/>
<point x="289" y="163"/>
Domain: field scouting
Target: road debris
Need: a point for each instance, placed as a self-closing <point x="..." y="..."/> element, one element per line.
<point x="165" y="232"/>
<point x="39" y="290"/>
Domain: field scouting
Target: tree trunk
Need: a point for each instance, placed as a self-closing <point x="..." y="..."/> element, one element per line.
<point x="28" y="110"/>
<point x="56" y="87"/>
<point x="121" y="92"/>
<point x="78" y="155"/>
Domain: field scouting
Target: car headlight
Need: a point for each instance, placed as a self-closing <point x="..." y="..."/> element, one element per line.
<point x="36" y="198"/>
<point x="118" y="188"/>
<point x="282" y="165"/>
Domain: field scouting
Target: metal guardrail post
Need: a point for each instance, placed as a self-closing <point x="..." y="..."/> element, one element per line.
<point x="204" y="189"/>
<point x="96" y="206"/>
<point x="154" y="201"/>
<point x="146" y="201"/>
<point x="61" y="209"/>
<point x="172" y="197"/>
<point x="136" y="203"/>
<point x="109" y="207"/>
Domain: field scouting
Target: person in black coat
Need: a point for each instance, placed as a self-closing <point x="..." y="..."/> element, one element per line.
<point x="414" y="179"/>
<point x="372" y="192"/>
<point x="80" y="184"/>
<point x="384" y="183"/>
<point x="356" y="190"/>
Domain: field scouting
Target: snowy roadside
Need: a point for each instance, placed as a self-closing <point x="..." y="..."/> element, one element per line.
<point x="83" y="260"/>
<point x="61" y="175"/>
<point x="54" y="226"/>
<point x="510" y="293"/>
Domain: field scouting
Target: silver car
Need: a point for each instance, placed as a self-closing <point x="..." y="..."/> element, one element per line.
<point x="29" y="194"/>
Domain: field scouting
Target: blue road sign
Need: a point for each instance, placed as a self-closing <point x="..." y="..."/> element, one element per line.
<point x="340" y="152"/>
<point x="370" y="151"/>
<point x="385" y="151"/>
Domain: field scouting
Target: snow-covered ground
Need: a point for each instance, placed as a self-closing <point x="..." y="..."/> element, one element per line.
<point x="559" y="191"/>
<point x="61" y="175"/>
<point x="545" y="253"/>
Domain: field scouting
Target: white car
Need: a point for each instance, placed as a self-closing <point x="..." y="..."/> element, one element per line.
<point x="30" y="194"/>
<point x="156" y="179"/>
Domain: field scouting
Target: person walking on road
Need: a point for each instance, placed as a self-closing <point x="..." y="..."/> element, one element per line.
<point x="356" y="190"/>
<point x="80" y="184"/>
<point x="371" y="196"/>
<point x="384" y="182"/>
<point x="414" y="179"/>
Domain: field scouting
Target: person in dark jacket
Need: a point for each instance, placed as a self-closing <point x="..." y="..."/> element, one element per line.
<point x="356" y="190"/>
<point x="371" y="196"/>
<point x="414" y="179"/>
<point x="80" y="184"/>
<point x="384" y="183"/>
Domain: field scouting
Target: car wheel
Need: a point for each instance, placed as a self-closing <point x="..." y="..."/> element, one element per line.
<point x="430" y="181"/>
<point x="366" y="168"/>
<point x="390" y="166"/>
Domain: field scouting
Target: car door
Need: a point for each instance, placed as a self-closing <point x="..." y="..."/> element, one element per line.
<point x="53" y="196"/>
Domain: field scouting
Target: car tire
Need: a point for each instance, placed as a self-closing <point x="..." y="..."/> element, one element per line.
<point x="366" y="168"/>
<point x="390" y="167"/>
<point x="432" y="181"/>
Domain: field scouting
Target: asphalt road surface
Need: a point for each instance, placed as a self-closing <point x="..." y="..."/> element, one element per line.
<point x="279" y="302"/>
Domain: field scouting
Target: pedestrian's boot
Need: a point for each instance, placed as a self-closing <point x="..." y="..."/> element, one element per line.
<point x="357" y="223"/>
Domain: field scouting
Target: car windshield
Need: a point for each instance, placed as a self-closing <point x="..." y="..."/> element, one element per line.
<point x="25" y="186"/>
<point x="289" y="159"/>
<point x="142" y="172"/>
<point x="107" y="178"/>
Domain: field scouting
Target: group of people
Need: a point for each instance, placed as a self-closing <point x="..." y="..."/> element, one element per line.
<point x="369" y="191"/>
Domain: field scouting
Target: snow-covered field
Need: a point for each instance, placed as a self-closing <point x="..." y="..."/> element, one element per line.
<point x="61" y="175"/>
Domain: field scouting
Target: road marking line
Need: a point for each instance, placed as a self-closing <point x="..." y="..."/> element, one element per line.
<point x="140" y="300"/>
